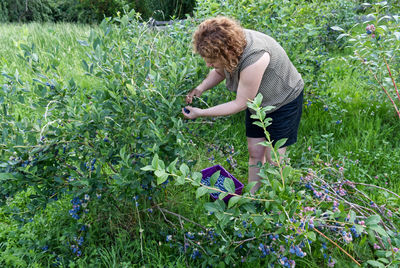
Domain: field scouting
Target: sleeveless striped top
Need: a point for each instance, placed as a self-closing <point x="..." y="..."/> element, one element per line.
<point x="281" y="82"/>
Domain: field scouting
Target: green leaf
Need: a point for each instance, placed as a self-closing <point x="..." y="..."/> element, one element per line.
<point x="197" y="176"/>
<point x="282" y="217"/>
<point x="385" y="260"/>
<point x="337" y="28"/>
<point x="311" y="236"/>
<point x="375" y="263"/>
<point x="214" y="177"/>
<point x="85" y="66"/>
<point x="6" y="176"/>
<point x="171" y="167"/>
<point x="359" y="228"/>
<point x="249" y="186"/>
<point x="224" y="220"/>
<point x="383" y="27"/>
<point x="222" y="195"/>
<point x="180" y="180"/>
<point x="229" y="185"/>
<point x="379" y="230"/>
<point x="161" y="176"/>
<point x="154" y="163"/>
<point x="373" y="220"/>
<point x="184" y="169"/>
<point x="397" y="35"/>
<point x="286" y="171"/>
<point x="258" y="220"/>
<point x="352" y="216"/>
<point x="250" y="208"/>
<point x="244" y="201"/>
<point x="341" y="36"/>
<point x="201" y="191"/>
<point x="217" y="206"/>
<point x="233" y="201"/>
<point x="279" y="143"/>
<point x="147" y="168"/>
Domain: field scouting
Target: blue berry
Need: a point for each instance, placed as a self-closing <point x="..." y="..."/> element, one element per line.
<point x="186" y="110"/>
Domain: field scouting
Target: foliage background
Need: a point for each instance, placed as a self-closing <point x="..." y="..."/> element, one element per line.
<point x="90" y="11"/>
<point x="83" y="109"/>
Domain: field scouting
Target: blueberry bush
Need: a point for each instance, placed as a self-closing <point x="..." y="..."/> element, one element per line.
<point x="294" y="214"/>
<point x="99" y="168"/>
<point x="376" y="48"/>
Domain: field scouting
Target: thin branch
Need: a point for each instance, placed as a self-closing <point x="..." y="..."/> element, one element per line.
<point x="182" y="217"/>
<point x="333" y="242"/>
<point x="375" y="186"/>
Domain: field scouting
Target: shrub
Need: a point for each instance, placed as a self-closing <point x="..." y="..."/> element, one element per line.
<point x="165" y="9"/>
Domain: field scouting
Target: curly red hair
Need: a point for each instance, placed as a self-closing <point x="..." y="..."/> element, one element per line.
<point x="220" y="38"/>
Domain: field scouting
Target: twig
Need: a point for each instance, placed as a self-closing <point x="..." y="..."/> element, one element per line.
<point x="165" y="218"/>
<point x="383" y="88"/>
<point x="375" y="186"/>
<point x="112" y="168"/>
<point x="140" y="232"/>
<point x="391" y="76"/>
<point x="249" y="239"/>
<point x="182" y="217"/>
<point x="333" y="242"/>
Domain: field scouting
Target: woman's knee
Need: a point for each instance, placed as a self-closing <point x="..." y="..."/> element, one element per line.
<point x="256" y="154"/>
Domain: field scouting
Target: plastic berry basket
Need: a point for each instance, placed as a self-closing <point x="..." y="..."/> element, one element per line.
<point x="208" y="172"/>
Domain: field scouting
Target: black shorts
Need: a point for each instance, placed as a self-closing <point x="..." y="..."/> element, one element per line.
<point x="285" y="123"/>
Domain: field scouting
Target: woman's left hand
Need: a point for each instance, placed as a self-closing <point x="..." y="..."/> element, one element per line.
<point x="191" y="112"/>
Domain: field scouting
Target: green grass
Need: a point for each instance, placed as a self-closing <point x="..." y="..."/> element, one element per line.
<point x="365" y="143"/>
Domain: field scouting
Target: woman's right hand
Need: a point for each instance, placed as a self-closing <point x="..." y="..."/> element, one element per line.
<point x="194" y="93"/>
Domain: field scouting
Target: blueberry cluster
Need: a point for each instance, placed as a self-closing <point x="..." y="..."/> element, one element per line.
<point x="370" y="29"/>
<point x="75" y="247"/>
<point x="347" y="237"/>
<point x="90" y="165"/>
<point x="189" y="235"/>
<point x="196" y="254"/>
<point x="219" y="184"/>
<point x="285" y="262"/>
<point x="354" y="232"/>
<point x="76" y="207"/>
<point x="51" y="86"/>
<point x="298" y="251"/>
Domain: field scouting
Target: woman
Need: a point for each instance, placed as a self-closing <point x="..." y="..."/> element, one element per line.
<point x="251" y="63"/>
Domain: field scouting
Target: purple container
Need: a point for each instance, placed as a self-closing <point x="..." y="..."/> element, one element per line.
<point x="207" y="172"/>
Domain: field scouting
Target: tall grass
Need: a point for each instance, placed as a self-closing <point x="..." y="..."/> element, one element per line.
<point x="56" y="44"/>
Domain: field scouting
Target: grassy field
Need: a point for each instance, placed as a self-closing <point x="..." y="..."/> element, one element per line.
<point x="346" y="122"/>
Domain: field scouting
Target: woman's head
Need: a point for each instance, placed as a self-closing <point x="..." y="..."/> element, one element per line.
<point x="220" y="39"/>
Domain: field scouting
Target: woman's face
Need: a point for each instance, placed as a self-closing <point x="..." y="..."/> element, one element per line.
<point x="214" y="63"/>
